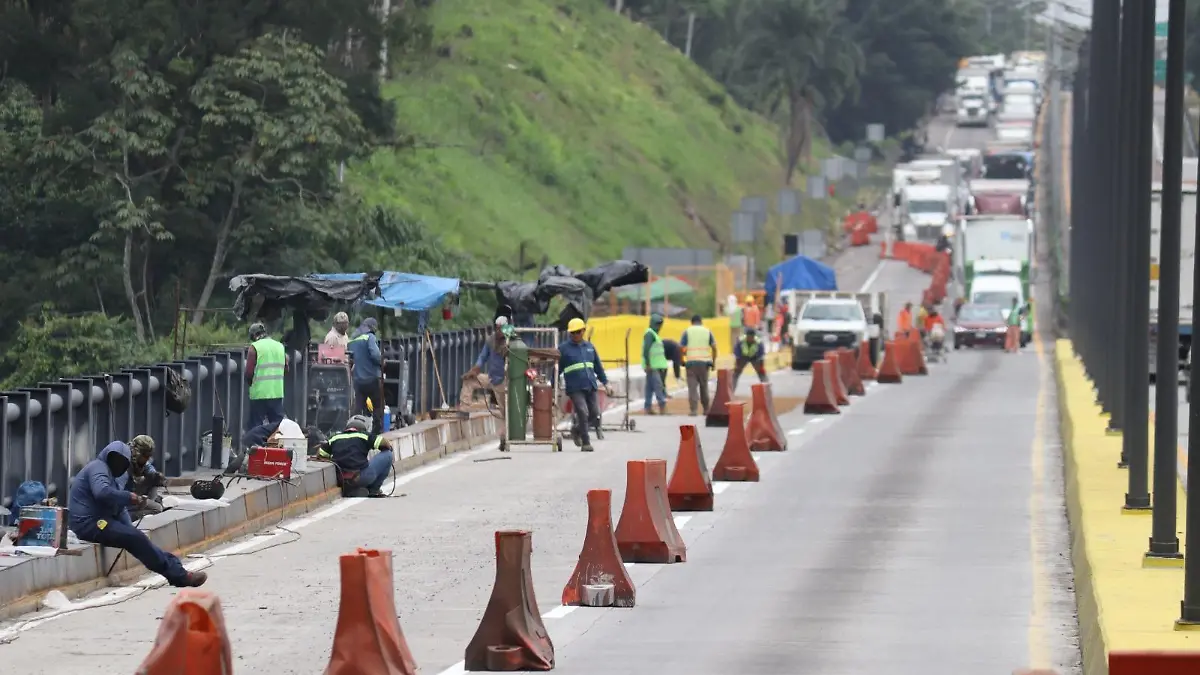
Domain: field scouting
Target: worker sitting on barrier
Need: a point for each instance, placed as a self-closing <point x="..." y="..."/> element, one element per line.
<point x="362" y="476"/>
<point x="749" y="352"/>
<point x="97" y="508"/>
<point x="488" y="371"/>
<point x="142" y="479"/>
<point x="582" y="374"/>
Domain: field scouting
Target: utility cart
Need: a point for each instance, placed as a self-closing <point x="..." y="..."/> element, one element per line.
<point x="627" y="423"/>
<point x="531" y="380"/>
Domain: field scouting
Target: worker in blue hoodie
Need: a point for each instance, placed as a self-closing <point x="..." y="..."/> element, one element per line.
<point x="582" y="374"/>
<point x="98" y="514"/>
<point x="368" y="372"/>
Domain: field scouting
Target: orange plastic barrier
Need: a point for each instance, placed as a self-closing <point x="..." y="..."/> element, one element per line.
<point x="690" y="487"/>
<point x="511" y="635"/>
<point x="859" y="236"/>
<point x="646" y="532"/>
<point x="821" y="398"/>
<point x="763" y="431"/>
<point x="736" y="464"/>
<point x="368" y="636"/>
<point x="600" y="560"/>
<point x="718" y="412"/>
<point x="1153" y="663"/>
<point x="835" y="378"/>
<point x="866" y="369"/>
<point x="848" y="367"/>
<point x="889" y="368"/>
<point x="191" y="638"/>
<point x="900" y="250"/>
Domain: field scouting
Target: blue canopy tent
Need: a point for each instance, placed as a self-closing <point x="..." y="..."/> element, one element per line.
<point x="404" y="291"/>
<point x="799" y="274"/>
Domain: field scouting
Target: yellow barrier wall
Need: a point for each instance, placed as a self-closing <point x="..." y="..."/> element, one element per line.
<point x="610" y="333"/>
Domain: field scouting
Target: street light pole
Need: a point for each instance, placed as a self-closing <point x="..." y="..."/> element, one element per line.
<point x="1163" y="541"/>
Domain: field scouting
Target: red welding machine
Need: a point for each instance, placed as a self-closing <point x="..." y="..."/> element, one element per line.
<point x="269" y="463"/>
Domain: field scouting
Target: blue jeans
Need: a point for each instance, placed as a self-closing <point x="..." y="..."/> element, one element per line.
<point x="655" y="388"/>
<point x="119" y="535"/>
<point x="376" y="472"/>
<point x="264" y="410"/>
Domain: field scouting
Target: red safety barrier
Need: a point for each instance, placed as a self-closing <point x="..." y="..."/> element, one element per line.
<point x="736" y="464"/>
<point x="822" y="399"/>
<point x="646" y="532"/>
<point x="848" y="367"/>
<point x="835" y="378"/>
<point x="1153" y="663"/>
<point x="764" y="432"/>
<point x="511" y="635"/>
<point x="718" y="412"/>
<point x="368" y="636"/>
<point x="866" y="369"/>
<point x="860" y="237"/>
<point x="889" y="366"/>
<point x="600" y="560"/>
<point x="191" y="638"/>
<point x="690" y="487"/>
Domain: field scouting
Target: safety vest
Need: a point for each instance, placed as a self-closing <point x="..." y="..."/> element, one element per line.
<point x="576" y="367"/>
<point x="268" y="369"/>
<point x="735" y="318"/>
<point x="658" y="358"/>
<point x="698" y="349"/>
<point x="353" y="455"/>
<point x="747" y="350"/>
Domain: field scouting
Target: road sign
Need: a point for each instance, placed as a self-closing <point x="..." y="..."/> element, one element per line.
<point x="875" y="133"/>
<point x="831" y="168"/>
<point x="816" y="187"/>
<point x="788" y="202"/>
<point x="744" y="227"/>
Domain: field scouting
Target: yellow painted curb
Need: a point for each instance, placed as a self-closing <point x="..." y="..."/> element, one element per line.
<point x="1122" y="605"/>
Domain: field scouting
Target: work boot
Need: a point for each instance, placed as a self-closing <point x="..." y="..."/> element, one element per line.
<point x="194" y="580"/>
<point x="599" y="433"/>
<point x="575" y="438"/>
<point x="375" y="494"/>
<point x="587" y="447"/>
<point x="662" y="408"/>
<point x="649" y="411"/>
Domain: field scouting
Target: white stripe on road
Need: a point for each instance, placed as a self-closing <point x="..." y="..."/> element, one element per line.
<point x="866" y="287"/>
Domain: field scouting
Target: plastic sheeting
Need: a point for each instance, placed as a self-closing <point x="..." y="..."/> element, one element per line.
<point x="527" y="298"/>
<point x="266" y="297"/>
<point x="406" y="292"/>
<point x="800" y="274"/>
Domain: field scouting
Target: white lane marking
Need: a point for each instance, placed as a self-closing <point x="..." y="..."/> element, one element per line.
<point x="681" y="521"/>
<point x="796" y="432"/>
<point x="459" y="668"/>
<point x="559" y="612"/>
<point x="866" y="287"/>
<point x="718" y="488"/>
<point x="816" y="420"/>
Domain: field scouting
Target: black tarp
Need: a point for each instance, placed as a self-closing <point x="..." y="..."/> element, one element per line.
<point x="615" y="274"/>
<point x="266" y="297"/>
<point x="522" y="300"/>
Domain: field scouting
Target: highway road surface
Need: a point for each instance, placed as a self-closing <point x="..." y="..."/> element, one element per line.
<point x="921" y="531"/>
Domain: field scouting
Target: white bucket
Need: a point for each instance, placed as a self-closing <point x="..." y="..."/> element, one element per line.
<point x="299" y="448"/>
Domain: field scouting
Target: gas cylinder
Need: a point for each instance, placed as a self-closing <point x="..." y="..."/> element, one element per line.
<point x="518" y="392"/>
<point x="543" y="410"/>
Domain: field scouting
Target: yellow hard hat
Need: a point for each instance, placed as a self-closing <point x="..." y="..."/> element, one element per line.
<point x="575" y="325"/>
<point x="749" y="298"/>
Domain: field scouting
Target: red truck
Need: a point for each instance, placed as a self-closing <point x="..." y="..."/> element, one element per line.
<point x="999" y="203"/>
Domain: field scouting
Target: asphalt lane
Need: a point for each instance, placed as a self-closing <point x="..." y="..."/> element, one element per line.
<point x="920" y="531"/>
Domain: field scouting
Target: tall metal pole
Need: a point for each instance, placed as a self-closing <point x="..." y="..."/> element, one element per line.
<point x="1163" y="542"/>
<point x="1100" y="199"/>
<point x="1122" y="178"/>
<point x="1136" y="434"/>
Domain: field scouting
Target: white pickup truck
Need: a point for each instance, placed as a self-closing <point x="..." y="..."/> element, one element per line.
<point x="826" y="320"/>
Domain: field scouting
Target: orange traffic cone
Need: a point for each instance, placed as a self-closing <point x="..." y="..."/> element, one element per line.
<point x="736" y="464"/>
<point x="368" y="636"/>
<point x="889" y="369"/>
<point x="511" y="635"/>
<point x="866" y="369"/>
<point x="600" y="561"/>
<point x="764" y="431"/>
<point x="718" y="414"/>
<point x="690" y="487"/>
<point x="191" y="638"/>
<point x="646" y="532"/>
<point x="821" y="399"/>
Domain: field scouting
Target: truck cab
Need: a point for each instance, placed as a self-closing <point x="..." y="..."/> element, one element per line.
<point x="1000" y="282"/>
<point x="972" y="110"/>
<point x="927" y="210"/>
<point x="827" y="320"/>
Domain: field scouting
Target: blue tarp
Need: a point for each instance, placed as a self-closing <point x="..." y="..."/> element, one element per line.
<point x="800" y="274"/>
<point x="403" y="291"/>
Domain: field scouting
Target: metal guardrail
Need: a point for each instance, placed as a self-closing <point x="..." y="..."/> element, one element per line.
<point x="50" y="431"/>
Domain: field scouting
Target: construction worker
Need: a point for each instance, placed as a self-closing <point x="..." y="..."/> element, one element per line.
<point x="142" y="479"/>
<point x="583" y="375"/>
<point x="266" y="365"/>
<point x="1012" y="336"/>
<point x="337" y="335"/>
<point x="699" y="354"/>
<point x="350" y="451"/>
<point x="488" y="371"/>
<point x="922" y="315"/>
<point x="904" y="320"/>
<point x="654" y="361"/>
<point x="734" y="311"/>
<point x="752" y="315"/>
<point x="749" y="352"/>
<point x="367" y="372"/>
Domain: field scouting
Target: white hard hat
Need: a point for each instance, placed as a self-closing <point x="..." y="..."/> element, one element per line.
<point x="502" y="321"/>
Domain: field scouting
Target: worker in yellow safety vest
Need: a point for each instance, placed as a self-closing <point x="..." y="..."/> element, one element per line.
<point x="266" y="365"/>
<point x="699" y="355"/>
<point x="749" y="352"/>
<point x="654" y="361"/>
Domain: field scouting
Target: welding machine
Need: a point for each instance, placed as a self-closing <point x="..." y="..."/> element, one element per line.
<point x="269" y="463"/>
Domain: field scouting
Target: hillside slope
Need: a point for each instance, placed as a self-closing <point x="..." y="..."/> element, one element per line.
<point x="559" y="124"/>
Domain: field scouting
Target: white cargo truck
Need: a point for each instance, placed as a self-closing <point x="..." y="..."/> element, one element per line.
<point x="1187" y="261"/>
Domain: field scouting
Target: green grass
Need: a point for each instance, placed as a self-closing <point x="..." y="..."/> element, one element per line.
<point x="568" y="127"/>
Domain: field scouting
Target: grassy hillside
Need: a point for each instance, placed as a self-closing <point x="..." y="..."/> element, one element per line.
<point x="558" y="123"/>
